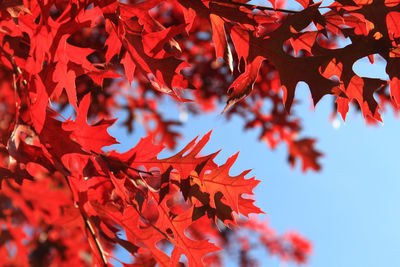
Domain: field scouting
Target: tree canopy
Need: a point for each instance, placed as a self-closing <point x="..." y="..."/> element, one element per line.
<point x="67" y="199"/>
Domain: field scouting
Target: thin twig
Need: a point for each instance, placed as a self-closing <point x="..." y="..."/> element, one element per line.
<point x="96" y="240"/>
<point x="250" y="6"/>
<point x="149" y="222"/>
<point x="104" y="157"/>
<point x="16" y="73"/>
<point x="89" y="226"/>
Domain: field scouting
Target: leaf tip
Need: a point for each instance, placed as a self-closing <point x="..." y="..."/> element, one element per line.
<point x="229" y="104"/>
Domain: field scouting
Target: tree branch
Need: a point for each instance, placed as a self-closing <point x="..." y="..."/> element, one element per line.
<point x="250" y="6"/>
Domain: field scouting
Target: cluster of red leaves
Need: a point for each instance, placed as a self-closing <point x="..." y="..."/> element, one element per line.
<point x="79" y="54"/>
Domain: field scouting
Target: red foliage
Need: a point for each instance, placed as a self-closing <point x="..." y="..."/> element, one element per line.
<point x="64" y="200"/>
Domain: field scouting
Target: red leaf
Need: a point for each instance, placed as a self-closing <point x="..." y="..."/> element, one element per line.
<point x="304" y="150"/>
<point x="243" y="85"/>
<point x="193" y="250"/>
<point x="113" y="45"/>
<point x="38" y="108"/>
<point x="129" y="66"/>
<point x="154" y="42"/>
<point x="393" y="25"/>
<point x="185" y="161"/>
<point x="305" y="41"/>
<point x="91" y="138"/>
<point x="222" y="49"/>
<point x="232" y="188"/>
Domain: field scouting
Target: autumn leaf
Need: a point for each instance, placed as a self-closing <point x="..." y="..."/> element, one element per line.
<point x="98" y="60"/>
<point x="90" y="137"/>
